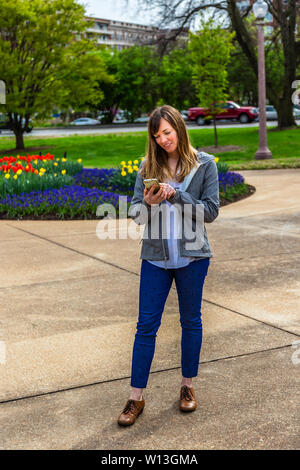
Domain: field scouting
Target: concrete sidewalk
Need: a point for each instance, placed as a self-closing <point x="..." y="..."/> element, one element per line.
<point x="69" y="310"/>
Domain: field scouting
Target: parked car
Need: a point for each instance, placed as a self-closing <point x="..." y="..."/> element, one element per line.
<point x="120" y="118"/>
<point x="231" y="111"/>
<point x="143" y="118"/>
<point x="271" y="112"/>
<point x="85" y="122"/>
<point x="184" y="114"/>
<point x="4" y="124"/>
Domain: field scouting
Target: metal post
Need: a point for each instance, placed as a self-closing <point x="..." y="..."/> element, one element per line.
<point x="263" y="151"/>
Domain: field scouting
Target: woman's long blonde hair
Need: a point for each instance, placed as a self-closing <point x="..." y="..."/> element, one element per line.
<point x="155" y="164"/>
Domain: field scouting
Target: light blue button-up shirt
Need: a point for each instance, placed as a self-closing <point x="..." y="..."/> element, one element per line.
<point x="172" y="230"/>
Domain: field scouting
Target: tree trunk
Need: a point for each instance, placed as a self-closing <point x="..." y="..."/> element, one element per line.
<point x="283" y="105"/>
<point x="216" y="135"/>
<point x="285" y="108"/>
<point x="285" y="112"/>
<point x="19" y="139"/>
<point x="68" y="116"/>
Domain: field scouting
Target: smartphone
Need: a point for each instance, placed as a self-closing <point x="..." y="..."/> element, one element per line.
<point x="150" y="182"/>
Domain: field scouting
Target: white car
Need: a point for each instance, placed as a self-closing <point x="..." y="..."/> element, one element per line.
<point x="85" y="122"/>
<point x="184" y="114"/>
<point x="271" y="113"/>
<point x="296" y="111"/>
<point x="121" y="119"/>
<point x="143" y="118"/>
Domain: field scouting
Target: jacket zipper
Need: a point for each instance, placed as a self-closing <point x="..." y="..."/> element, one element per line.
<point x="164" y="253"/>
<point x="165" y="257"/>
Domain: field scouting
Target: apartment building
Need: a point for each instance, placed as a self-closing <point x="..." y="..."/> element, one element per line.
<point x="120" y="34"/>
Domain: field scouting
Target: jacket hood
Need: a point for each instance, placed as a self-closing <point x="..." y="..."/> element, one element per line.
<point x="205" y="157"/>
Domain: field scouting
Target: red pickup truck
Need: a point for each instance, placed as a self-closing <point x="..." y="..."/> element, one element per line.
<point x="231" y="110"/>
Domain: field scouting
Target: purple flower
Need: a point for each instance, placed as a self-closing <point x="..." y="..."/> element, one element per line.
<point x="229" y="179"/>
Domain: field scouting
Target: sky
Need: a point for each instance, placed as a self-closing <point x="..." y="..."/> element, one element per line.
<point x="117" y="10"/>
<point x="129" y="11"/>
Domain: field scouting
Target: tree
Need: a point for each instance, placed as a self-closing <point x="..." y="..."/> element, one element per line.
<point x="210" y="51"/>
<point x="175" y="77"/>
<point x="138" y="80"/>
<point x="45" y="61"/>
<point x="112" y="93"/>
<point x="183" y="13"/>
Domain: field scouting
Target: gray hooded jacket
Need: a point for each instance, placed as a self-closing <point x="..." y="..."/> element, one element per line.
<point x="197" y="202"/>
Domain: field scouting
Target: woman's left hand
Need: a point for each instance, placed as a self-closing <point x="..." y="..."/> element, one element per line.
<point x="170" y="190"/>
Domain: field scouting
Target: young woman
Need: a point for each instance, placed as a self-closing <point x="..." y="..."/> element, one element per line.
<point x="190" y="183"/>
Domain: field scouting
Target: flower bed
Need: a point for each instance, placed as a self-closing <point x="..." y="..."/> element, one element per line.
<point x="44" y="187"/>
<point x="67" y="202"/>
<point x="35" y="172"/>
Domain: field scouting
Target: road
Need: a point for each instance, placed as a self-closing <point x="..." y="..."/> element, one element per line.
<point x="90" y="130"/>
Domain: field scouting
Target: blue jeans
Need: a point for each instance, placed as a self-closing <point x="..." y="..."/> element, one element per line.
<point x="155" y="285"/>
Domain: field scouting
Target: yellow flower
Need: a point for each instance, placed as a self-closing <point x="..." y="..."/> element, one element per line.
<point x="35" y="161"/>
<point x="19" y="171"/>
<point x="129" y="162"/>
<point x="136" y="168"/>
<point x="7" y="175"/>
<point x="15" y="177"/>
<point x="123" y="173"/>
<point x="123" y="163"/>
<point x="42" y="170"/>
<point x="63" y="159"/>
<point x="27" y="167"/>
<point x="63" y="172"/>
<point x="19" y="162"/>
<point x="57" y="159"/>
<point x="136" y="162"/>
<point x="79" y="160"/>
<point x="216" y="159"/>
<point x="55" y="174"/>
<point x="143" y="158"/>
<point x="55" y="164"/>
<point x="41" y="174"/>
<point x="130" y="170"/>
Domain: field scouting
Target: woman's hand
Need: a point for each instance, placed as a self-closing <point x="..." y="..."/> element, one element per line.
<point x="170" y="190"/>
<point x="151" y="198"/>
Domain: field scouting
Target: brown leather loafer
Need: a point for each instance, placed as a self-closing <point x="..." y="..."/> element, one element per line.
<point x="131" y="411"/>
<point x="187" y="399"/>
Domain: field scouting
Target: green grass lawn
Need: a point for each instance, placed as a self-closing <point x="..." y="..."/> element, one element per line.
<point x="109" y="150"/>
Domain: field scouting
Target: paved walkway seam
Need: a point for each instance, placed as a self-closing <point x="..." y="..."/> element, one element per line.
<point x="136" y="274"/>
<point x="226" y="358"/>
